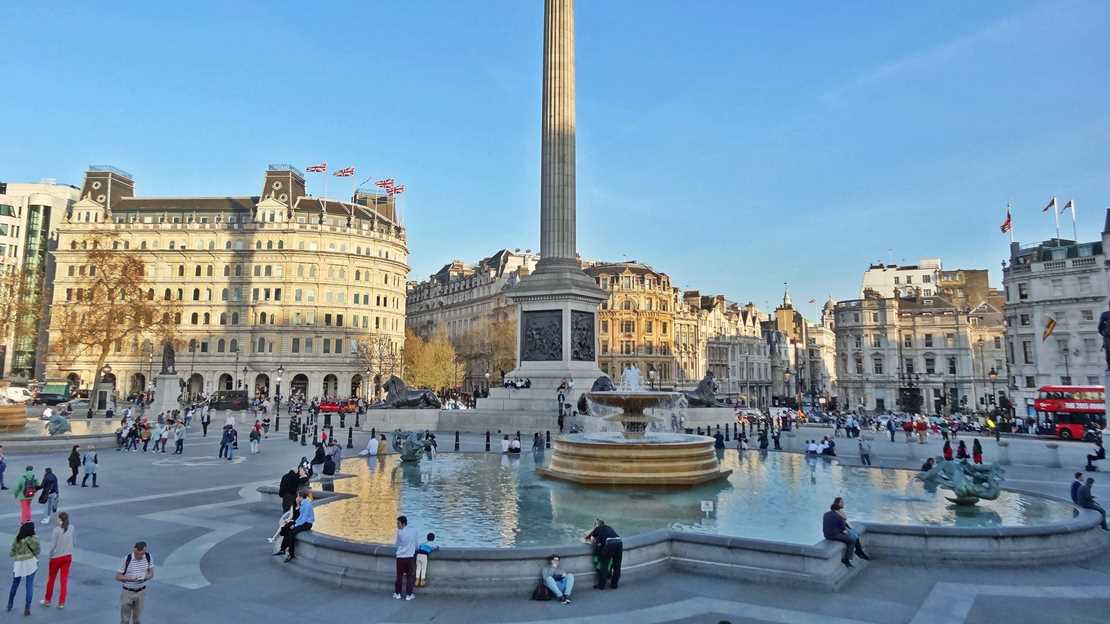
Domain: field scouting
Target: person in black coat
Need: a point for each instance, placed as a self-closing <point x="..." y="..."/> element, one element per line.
<point x="287" y="490"/>
<point x="609" y="550"/>
<point x="74" y="465"/>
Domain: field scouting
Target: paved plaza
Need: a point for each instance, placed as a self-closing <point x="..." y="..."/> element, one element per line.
<point x="207" y="533"/>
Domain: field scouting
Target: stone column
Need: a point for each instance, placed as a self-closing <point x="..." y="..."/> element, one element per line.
<point x="557" y="168"/>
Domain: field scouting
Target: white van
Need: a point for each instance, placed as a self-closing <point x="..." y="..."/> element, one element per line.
<point x="16" y="395"/>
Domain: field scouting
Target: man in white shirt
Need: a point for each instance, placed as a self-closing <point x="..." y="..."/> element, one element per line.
<point x="372" y="446"/>
<point x="134" y="572"/>
<point x="406" y="559"/>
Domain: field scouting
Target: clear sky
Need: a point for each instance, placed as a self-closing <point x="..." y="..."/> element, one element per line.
<point x="734" y="145"/>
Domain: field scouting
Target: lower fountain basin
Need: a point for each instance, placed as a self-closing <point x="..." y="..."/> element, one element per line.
<point x="672" y="459"/>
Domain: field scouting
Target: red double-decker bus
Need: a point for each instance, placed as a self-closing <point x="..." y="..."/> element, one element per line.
<point x="1073" y="410"/>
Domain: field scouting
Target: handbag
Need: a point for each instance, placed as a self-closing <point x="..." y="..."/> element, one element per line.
<point x="541" y="592"/>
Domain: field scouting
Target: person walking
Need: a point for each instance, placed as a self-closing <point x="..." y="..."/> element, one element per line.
<point x="163" y="437"/>
<point x="255" y="436"/>
<point x="179" y="439"/>
<point x="88" y="463"/>
<point x="610" y="550"/>
<point x="146" y="435"/>
<point x="961" y="451"/>
<point x="864" y="451"/>
<point x="48" y="494"/>
<point x="61" y="556"/>
<point x="74" y="461"/>
<point x="976" y="451"/>
<point x="890" y="428"/>
<point x="205" y="420"/>
<point x="136" y="570"/>
<point x="304" y="517"/>
<point x="406" y="559"/>
<point x="836" y="528"/>
<point x="1086" y="500"/>
<point x="25" y="490"/>
<point x="25" y="562"/>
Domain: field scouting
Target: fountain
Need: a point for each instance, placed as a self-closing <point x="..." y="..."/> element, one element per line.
<point x="634" y="455"/>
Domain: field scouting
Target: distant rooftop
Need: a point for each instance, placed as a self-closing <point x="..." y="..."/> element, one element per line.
<point x="111" y="169"/>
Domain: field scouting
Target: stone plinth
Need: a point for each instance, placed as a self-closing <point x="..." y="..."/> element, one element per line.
<point x="166" y="392"/>
<point x="13" y="417"/>
<point x="656" y="459"/>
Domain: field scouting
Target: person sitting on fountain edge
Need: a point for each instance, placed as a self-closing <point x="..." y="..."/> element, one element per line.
<point x="836" y="528"/>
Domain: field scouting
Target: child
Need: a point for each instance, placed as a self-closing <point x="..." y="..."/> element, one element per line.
<point x="422" y="553"/>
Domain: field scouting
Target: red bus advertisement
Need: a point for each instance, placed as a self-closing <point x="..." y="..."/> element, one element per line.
<point x="1072" y="410"/>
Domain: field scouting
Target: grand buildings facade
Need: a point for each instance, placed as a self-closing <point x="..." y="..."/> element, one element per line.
<point x="1061" y="283"/>
<point x="29" y="216"/>
<point x="278" y="291"/>
<point x="919" y="354"/>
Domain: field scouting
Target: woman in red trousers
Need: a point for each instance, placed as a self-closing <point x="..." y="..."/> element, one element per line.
<point x="61" y="555"/>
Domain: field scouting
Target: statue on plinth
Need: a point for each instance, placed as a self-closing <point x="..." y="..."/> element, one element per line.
<point x="399" y="396"/>
<point x="168" y="364"/>
<point x="1104" y="331"/>
<point x="705" y="395"/>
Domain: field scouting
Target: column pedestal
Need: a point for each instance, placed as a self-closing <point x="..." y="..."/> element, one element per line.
<point x="166" y="392"/>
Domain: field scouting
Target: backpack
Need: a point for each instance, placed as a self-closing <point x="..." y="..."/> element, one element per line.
<point x="29" y="488"/>
<point x="127" y="561"/>
<point x="541" y="592"/>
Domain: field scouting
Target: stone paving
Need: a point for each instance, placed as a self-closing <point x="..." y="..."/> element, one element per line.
<point x="207" y="536"/>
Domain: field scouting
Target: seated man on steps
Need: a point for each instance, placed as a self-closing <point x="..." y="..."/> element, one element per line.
<point x="836" y="528"/>
<point x="1100" y="453"/>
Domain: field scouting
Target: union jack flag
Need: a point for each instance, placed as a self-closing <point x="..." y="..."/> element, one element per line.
<point x="345" y="173"/>
<point x="320" y="168"/>
<point x="396" y="190"/>
<point x="1008" y="224"/>
<point x="385" y="184"/>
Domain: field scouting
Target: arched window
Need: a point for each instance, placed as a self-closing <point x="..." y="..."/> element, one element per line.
<point x="258" y="244"/>
<point x="142" y="245"/>
<point x="261" y="345"/>
<point x="173" y="245"/>
<point x="150" y="294"/>
<point x="207" y="318"/>
<point x="177" y="318"/>
<point x="281" y="245"/>
<point x="220" y="344"/>
<point x="168" y="295"/>
<point x="180" y="269"/>
<point x="194" y="318"/>
<point x="209" y="271"/>
<point x="180" y="294"/>
<point x="211" y="244"/>
<point x="238" y="270"/>
<point x="208" y="294"/>
<point x="196" y="272"/>
<point x="269" y="270"/>
<point x="196" y="294"/>
<point x="233" y="346"/>
<point x="357" y="275"/>
<point x="223" y="295"/>
<point x="262" y="318"/>
<point x="73" y="245"/>
<point x="227" y="270"/>
<point x="223" y="318"/>
<point x="227" y="245"/>
<point x="270" y="244"/>
<point x="234" y="318"/>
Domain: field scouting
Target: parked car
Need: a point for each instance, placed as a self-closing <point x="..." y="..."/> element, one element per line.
<point x="78" y="406"/>
<point x="49" y="398"/>
<point x="16" y="394"/>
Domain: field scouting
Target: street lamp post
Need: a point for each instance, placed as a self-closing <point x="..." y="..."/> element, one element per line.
<point x="277" y="390"/>
<point x="245" y="381"/>
<point x="651" y="377"/>
<point x="149" y="369"/>
<point x="369" y="383"/>
<point x="993" y="374"/>
<point x="235" y="369"/>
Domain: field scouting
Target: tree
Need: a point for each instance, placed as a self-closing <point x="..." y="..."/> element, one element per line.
<point x="379" y="354"/>
<point x="502" y="341"/>
<point x="431" y="363"/>
<point x="116" y="306"/>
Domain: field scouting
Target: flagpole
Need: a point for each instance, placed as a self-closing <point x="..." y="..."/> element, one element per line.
<point x="1056" y="211"/>
<point x="1074" y="229"/>
<point x="1009" y="216"/>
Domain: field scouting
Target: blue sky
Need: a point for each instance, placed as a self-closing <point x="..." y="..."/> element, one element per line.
<point x="734" y="145"/>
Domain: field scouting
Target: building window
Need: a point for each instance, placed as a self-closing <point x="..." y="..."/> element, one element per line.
<point x="605" y="327"/>
<point x="1087" y="315"/>
<point x="877" y="341"/>
<point x="927" y="278"/>
<point x="951" y="366"/>
<point x="648" y="327"/>
<point x="1030" y="381"/>
<point x="928" y="340"/>
<point x="908" y="365"/>
<point x="877" y="366"/>
<point x="859" y="342"/>
<point x="296" y="345"/>
<point x="907" y="340"/>
<point x="930" y="366"/>
<point x="997" y="342"/>
<point x="950" y="340"/>
<point x="327" y="346"/>
<point x="1023" y="291"/>
<point x="874" y="317"/>
<point x="1027" y="351"/>
<point x="1024" y="318"/>
<point x="859" y="365"/>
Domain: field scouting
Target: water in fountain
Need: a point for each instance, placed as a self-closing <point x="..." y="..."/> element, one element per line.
<point x="631" y="380"/>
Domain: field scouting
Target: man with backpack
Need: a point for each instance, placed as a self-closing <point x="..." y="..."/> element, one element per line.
<point x="137" y="569"/>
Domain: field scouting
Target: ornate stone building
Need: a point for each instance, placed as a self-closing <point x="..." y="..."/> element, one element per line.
<point x="276" y="281"/>
<point x="466" y="300"/>
<point x="918" y="354"/>
<point x="636" y="324"/>
<point x="1066" y="282"/>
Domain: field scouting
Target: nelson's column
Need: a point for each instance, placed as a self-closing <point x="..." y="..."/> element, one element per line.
<point x="557" y="304"/>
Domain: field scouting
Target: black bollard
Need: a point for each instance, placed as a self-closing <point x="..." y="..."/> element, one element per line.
<point x="718" y="428"/>
<point x="373" y="432"/>
<point x="727" y="436"/>
<point x="357" y="424"/>
<point x="303" y="431"/>
<point x="277" y="424"/>
<point x="342" y="420"/>
<point x="315" y="434"/>
<point x="487" y="441"/>
<point x="518" y="436"/>
<point x="699" y="430"/>
<point x="331" y="432"/>
<point x="456" y="440"/>
<point x="548" y="435"/>
<point x="350" y="437"/>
